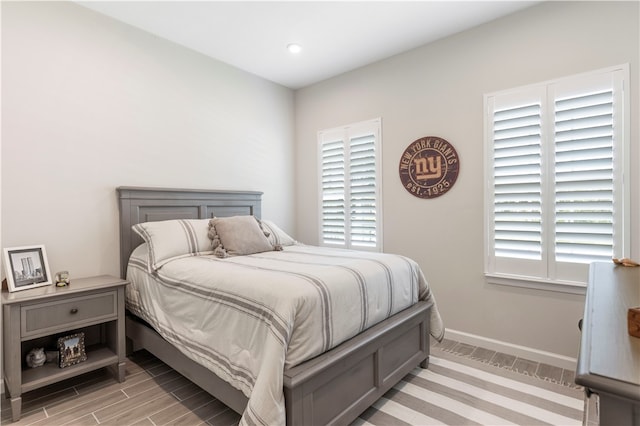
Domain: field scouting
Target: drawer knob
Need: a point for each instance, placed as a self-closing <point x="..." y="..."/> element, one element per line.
<point x="73" y="311"/>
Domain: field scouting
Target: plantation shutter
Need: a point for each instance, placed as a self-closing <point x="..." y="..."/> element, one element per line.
<point x="584" y="191"/>
<point x="363" y="193"/>
<point x="517" y="182"/>
<point x="350" y="187"/>
<point x="555" y="165"/>
<point x="333" y="193"/>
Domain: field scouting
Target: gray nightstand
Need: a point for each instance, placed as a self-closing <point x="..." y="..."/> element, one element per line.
<point x="37" y="317"/>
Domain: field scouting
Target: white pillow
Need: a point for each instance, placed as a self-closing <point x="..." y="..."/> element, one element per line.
<point x="237" y="236"/>
<point x="275" y="234"/>
<point x="172" y="239"/>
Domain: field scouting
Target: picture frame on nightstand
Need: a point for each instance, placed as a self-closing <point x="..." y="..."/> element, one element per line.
<point x="72" y="350"/>
<point x="26" y="267"/>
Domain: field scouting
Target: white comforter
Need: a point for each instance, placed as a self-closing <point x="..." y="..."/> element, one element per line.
<point x="246" y="318"/>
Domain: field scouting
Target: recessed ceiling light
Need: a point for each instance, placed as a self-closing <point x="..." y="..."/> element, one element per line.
<point x="294" y="48"/>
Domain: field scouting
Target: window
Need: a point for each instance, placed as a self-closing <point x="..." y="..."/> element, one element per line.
<point x="555" y="165"/>
<point x="351" y="186"/>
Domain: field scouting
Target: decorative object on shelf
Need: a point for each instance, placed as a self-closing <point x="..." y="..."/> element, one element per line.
<point x="625" y="262"/>
<point x="71" y="349"/>
<point x="429" y="167"/>
<point x="36" y="357"/>
<point x="633" y="321"/>
<point x="27" y="267"/>
<point x="62" y="279"/>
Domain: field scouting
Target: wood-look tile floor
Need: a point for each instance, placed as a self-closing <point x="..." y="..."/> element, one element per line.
<point x="154" y="394"/>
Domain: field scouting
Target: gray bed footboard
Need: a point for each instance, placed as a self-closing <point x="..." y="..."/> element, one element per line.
<point x="333" y="388"/>
<point x="337" y="386"/>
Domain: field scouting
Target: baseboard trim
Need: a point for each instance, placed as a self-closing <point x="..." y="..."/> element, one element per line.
<point x="512" y="349"/>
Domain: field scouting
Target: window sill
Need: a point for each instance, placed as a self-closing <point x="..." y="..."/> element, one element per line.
<point x="536" y="284"/>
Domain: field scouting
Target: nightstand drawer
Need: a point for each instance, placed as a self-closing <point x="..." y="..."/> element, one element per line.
<point x="46" y="318"/>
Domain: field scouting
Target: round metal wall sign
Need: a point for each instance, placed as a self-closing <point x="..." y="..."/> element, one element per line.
<point x="429" y="167"/>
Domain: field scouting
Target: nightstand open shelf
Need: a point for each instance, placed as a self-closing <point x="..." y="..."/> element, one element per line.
<point x="37" y="317"/>
<point x="97" y="357"/>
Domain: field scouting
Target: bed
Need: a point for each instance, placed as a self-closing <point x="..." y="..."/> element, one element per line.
<point x="333" y="387"/>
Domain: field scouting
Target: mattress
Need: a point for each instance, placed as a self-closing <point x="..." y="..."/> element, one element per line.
<point x="247" y="318"/>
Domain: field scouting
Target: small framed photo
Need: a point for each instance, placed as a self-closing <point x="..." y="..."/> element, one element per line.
<point x="71" y="349"/>
<point x="26" y="267"/>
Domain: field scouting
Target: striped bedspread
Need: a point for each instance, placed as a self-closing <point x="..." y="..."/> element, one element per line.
<point x="246" y="318"/>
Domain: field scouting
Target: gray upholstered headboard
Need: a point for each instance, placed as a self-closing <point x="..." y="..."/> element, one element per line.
<point x="139" y="205"/>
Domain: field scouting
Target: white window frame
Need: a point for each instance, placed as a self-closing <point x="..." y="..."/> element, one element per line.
<point x="345" y="134"/>
<point x="548" y="274"/>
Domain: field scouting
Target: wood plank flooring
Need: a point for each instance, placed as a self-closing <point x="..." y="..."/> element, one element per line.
<point x="154" y="394"/>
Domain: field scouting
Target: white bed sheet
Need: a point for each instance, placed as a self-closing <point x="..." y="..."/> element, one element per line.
<point x="246" y="318"/>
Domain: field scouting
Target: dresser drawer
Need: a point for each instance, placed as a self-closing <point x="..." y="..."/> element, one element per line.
<point x="67" y="314"/>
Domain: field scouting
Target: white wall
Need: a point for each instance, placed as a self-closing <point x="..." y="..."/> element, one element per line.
<point x="90" y="104"/>
<point x="438" y="90"/>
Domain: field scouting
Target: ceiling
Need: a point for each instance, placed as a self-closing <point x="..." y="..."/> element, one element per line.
<point x="335" y="36"/>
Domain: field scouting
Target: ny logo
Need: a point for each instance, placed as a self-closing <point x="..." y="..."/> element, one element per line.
<point x="428" y="168"/>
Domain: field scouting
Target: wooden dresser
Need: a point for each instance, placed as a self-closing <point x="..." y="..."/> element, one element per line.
<point x="609" y="359"/>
